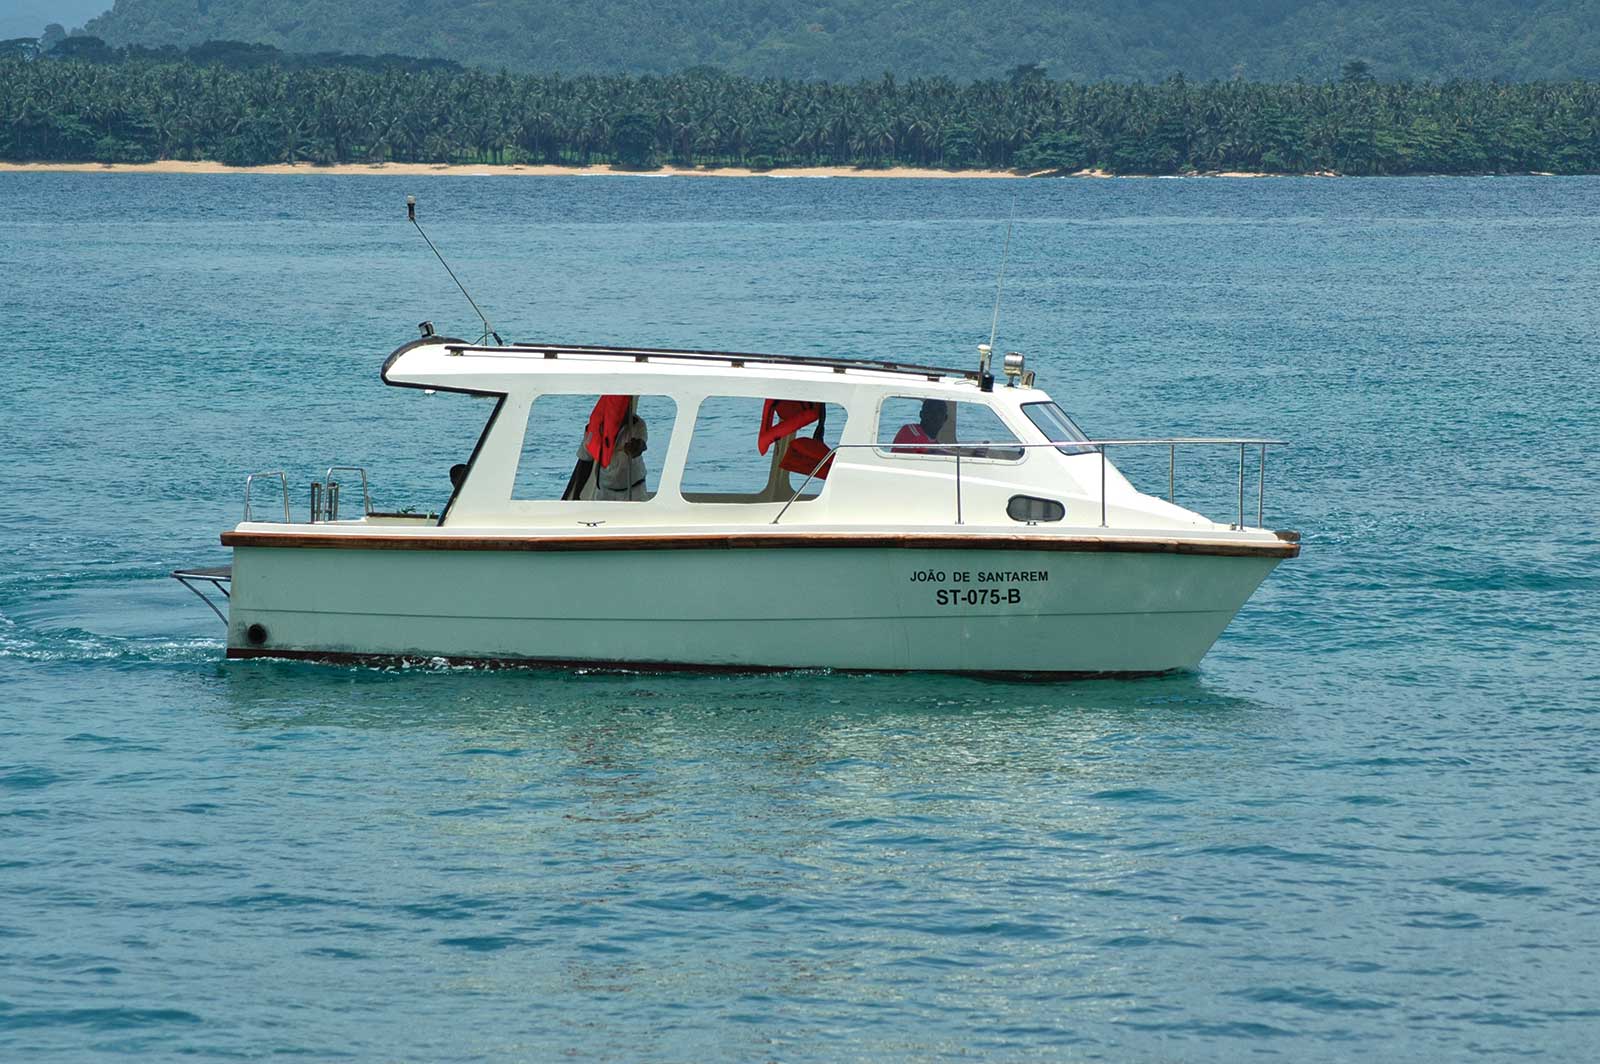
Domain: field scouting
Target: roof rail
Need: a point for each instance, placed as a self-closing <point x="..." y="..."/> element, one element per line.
<point x="737" y="359"/>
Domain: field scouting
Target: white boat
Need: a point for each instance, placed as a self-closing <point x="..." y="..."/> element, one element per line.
<point x="786" y="513"/>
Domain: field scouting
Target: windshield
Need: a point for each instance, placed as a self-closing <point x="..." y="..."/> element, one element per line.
<point x="1053" y="421"/>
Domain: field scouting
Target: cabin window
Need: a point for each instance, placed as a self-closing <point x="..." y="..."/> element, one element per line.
<point x="916" y="426"/>
<point x="557" y="463"/>
<point x="1053" y="421"/>
<point x="760" y="450"/>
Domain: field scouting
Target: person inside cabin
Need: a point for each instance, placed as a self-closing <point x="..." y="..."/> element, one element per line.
<point x="922" y="435"/>
<point x="613" y="449"/>
<point x="458" y="475"/>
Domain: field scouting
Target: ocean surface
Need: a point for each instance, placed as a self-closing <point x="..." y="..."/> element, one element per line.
<point x="1366" y="828"/>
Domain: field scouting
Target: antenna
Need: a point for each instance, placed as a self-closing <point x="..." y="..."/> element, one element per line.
<point x="986" y="351"/>
<point x="1000" y="282"/>
<point x="488" y="330"/>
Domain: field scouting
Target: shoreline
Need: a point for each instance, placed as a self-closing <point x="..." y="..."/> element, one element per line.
<point x="173" y="166"/>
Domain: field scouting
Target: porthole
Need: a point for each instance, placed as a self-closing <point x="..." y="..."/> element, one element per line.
<point x="1033" y="509"/>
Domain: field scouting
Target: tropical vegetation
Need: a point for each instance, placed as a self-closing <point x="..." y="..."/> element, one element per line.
<point x="138" y="107"/>
<point x="847" y="40"/>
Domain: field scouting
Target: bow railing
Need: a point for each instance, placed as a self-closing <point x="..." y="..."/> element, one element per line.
<point x="981" y="450"/>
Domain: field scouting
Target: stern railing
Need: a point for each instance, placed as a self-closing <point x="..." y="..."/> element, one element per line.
<point x="324" y="494"/>
<point x="283" y="483"/>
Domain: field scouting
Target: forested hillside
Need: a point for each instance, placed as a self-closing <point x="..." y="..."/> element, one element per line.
<point x="1086" y="40"/>
<point x="139" y="109"/>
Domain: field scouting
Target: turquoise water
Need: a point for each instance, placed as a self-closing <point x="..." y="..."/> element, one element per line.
<point x="1367" y="825"/>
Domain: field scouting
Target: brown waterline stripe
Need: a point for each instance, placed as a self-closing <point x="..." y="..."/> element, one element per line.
<point x="1285" y="547"/>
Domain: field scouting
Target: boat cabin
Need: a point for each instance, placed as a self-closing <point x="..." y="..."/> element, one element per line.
<point x="603" y="437"/>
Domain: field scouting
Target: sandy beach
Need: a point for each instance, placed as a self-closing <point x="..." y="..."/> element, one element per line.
<point x="419" y="169"/>
<point x="422" y="169"/>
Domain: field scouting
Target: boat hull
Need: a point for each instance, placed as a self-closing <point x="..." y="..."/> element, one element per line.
<point x="963" y="609"/>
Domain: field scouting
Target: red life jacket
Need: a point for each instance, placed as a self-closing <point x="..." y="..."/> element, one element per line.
<point x="803" y="455"/>
<point x="784" y="417"/>
<point x="605" y="422"/>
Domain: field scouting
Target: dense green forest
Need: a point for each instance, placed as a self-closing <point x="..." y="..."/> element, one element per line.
<point x="134" y="108"/>
<point x="1080" y="40"/>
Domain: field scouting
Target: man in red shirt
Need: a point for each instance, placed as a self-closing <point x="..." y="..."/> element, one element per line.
<point x="923" y="436"/>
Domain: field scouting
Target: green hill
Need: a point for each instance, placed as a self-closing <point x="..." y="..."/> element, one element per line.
<point x="1267" y="40"/>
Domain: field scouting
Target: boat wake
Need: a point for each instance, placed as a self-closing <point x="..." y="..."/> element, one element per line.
<point x="27" y="644"/>
<point x="128" y="615"/>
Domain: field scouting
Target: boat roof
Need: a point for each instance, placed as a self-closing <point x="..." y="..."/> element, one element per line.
<point x="731" y="359"/>
<point x="445" y="362"/>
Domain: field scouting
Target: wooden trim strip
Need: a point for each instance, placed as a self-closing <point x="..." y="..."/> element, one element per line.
<point x="763" y="541"/>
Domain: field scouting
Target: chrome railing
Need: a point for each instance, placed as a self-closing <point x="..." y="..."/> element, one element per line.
<point x="954" y="450"/>
<point x="283" y="482"/>
<point x="333" y="490"/>
<point x="324" y="494"/>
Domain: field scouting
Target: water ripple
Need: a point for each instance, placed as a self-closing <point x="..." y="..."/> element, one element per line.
<point x="1363" y="828"/>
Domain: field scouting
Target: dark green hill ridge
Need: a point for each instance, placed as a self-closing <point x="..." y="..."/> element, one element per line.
<point x="136" y="109"/>
<point x="1276" y="40"/>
